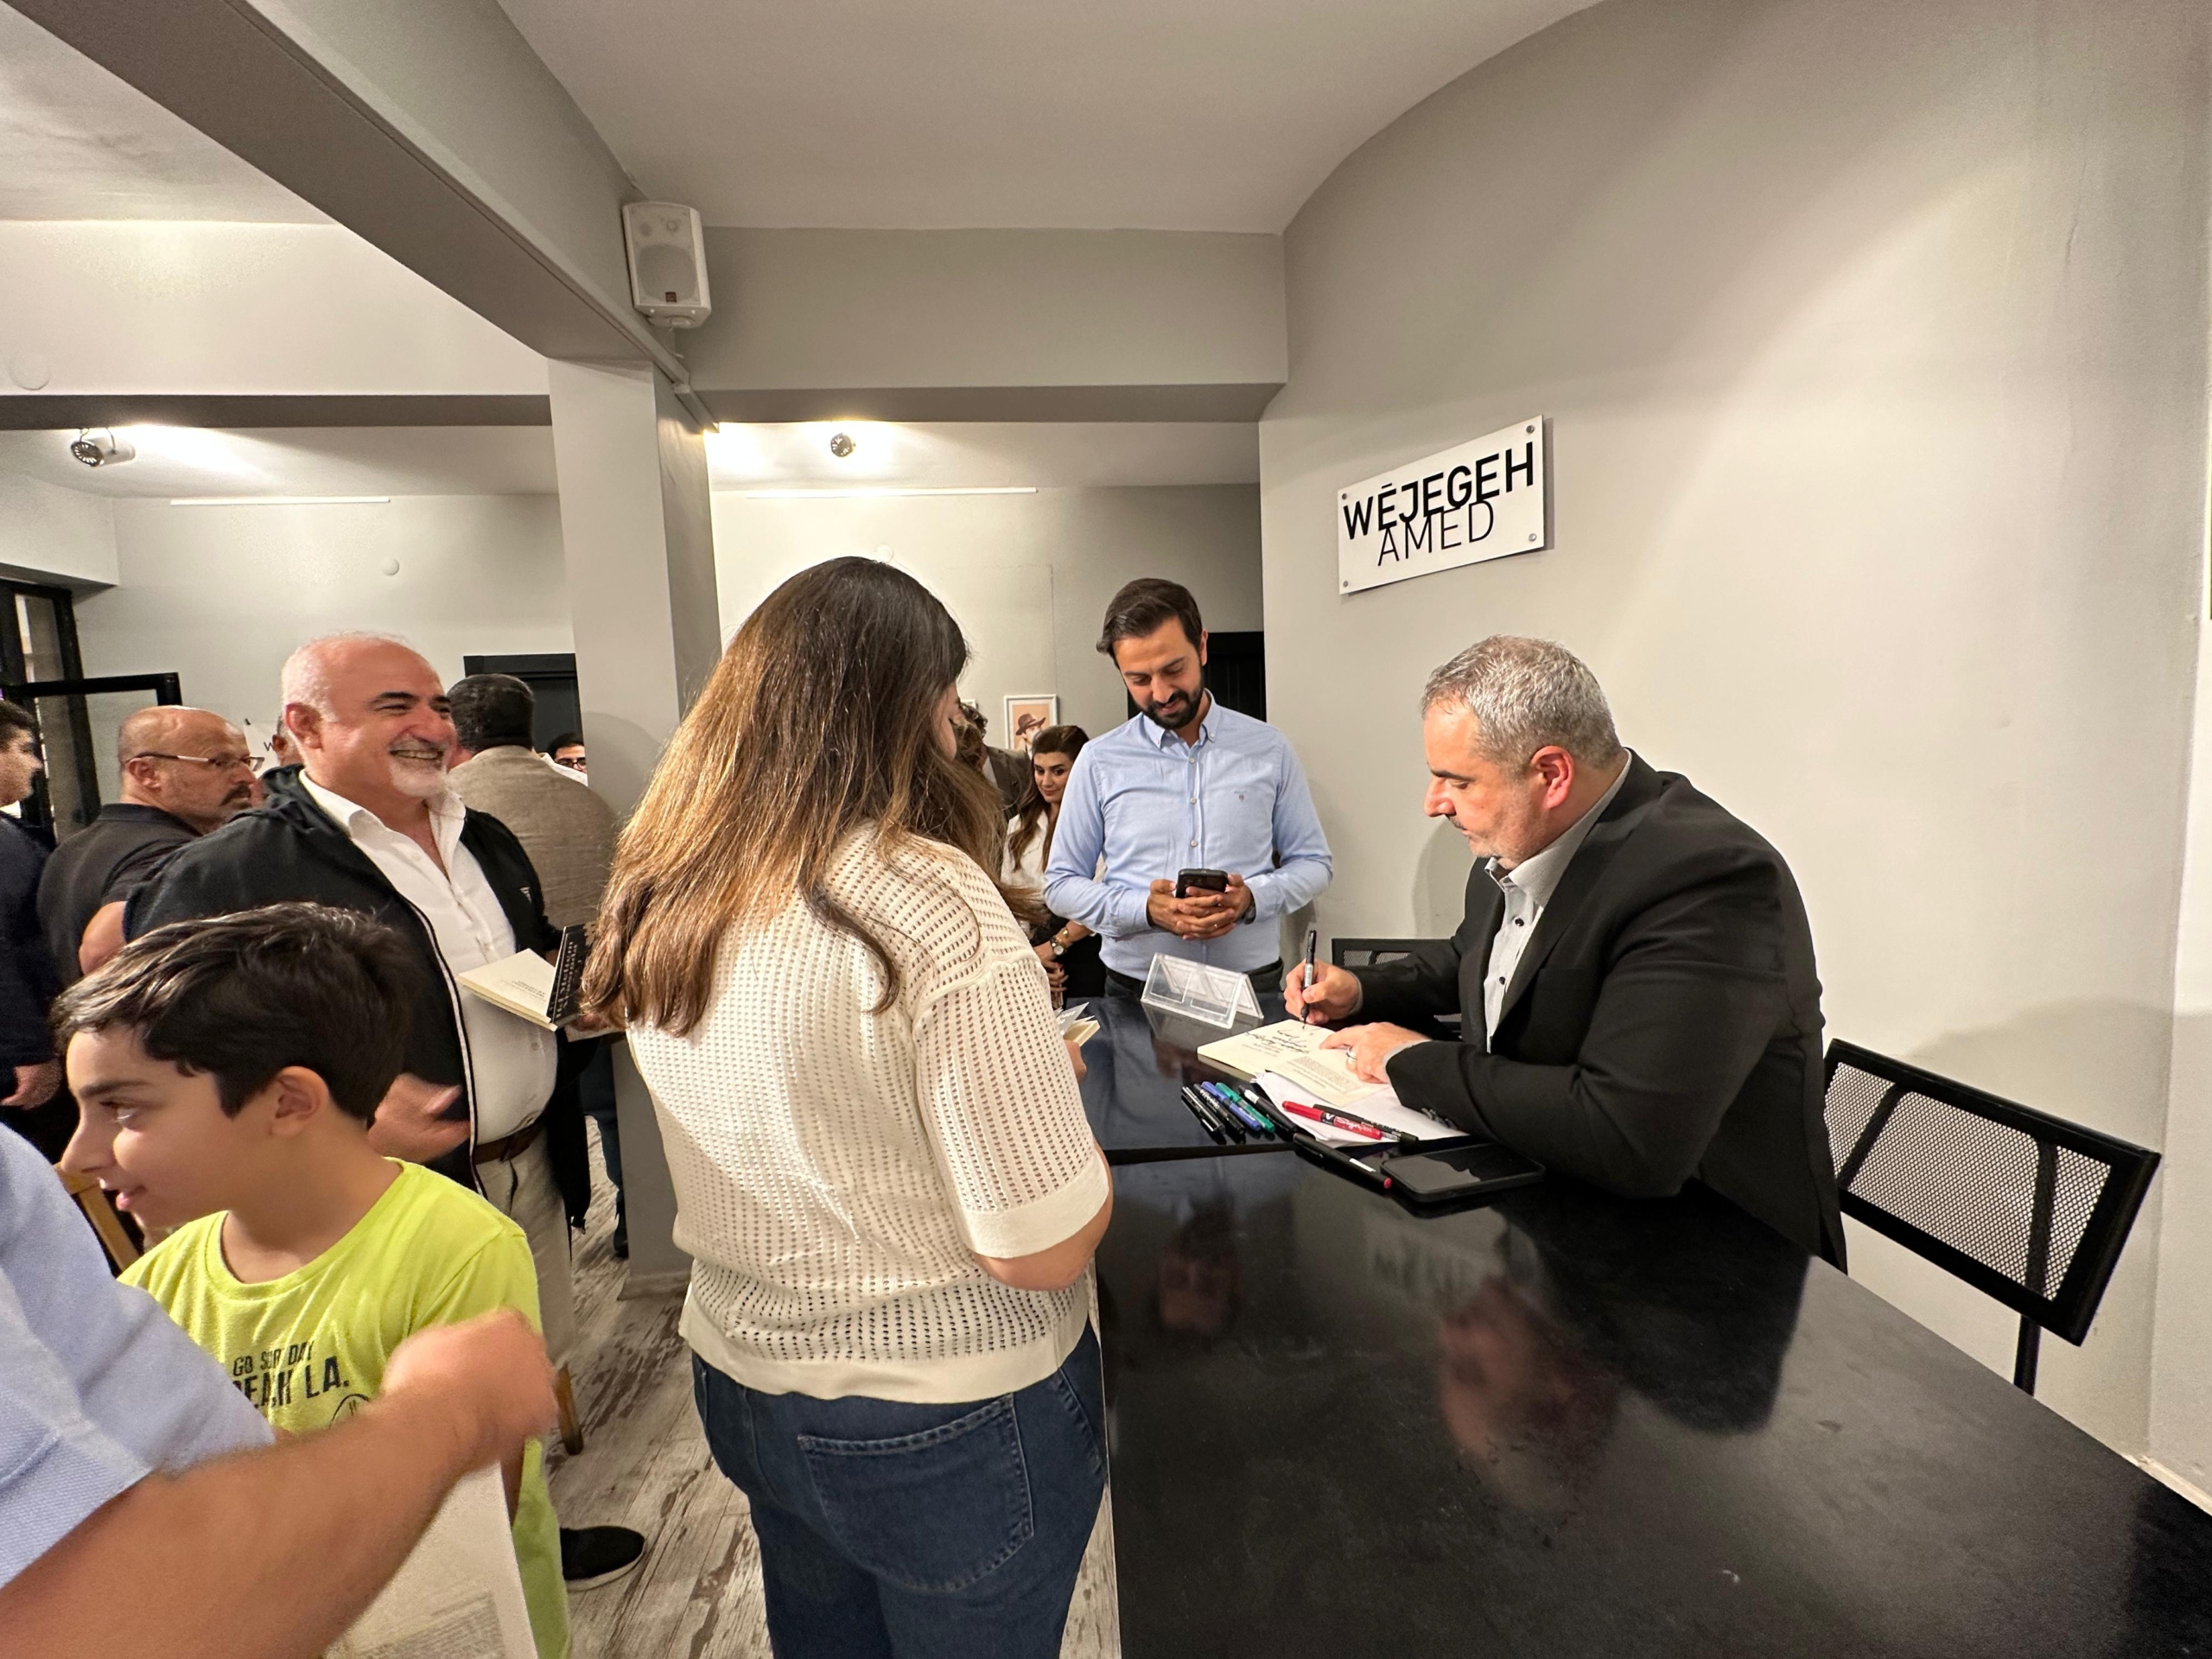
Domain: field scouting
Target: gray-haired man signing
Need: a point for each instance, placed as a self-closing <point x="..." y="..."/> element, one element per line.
<point x="1635" y="971"/>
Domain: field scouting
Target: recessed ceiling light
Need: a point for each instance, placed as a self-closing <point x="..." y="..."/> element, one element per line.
<point x="842" y="444"/>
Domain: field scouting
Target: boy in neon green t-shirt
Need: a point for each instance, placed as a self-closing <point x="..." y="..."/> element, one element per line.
<point x="228" y="1070"/>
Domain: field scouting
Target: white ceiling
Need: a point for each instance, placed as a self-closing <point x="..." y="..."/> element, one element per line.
<point x="1219" y="115"/>
<point x="175" y="461"/>
<point x="76" y="143"/>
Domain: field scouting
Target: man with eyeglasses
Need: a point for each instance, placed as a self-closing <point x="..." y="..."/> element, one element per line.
<point x="184" y="771"/>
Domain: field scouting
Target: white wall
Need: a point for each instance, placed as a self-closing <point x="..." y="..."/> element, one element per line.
<point x="990" y="309"/>
<point x="54" y="534"/>
<point x="2181" y="1370"/>
<point x="140" y="306"/>
<point x="1028" y="575"/>
<point x="222" y="594"/>
<point x="1873" y="337"/>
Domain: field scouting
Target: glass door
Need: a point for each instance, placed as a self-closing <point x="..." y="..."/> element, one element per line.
<point x="78" y="718"/>
<point x="78" y="722"/>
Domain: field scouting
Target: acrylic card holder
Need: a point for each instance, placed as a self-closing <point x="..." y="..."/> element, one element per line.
<point x="1218" y="997"/>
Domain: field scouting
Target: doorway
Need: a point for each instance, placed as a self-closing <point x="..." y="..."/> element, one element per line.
<point x="78" y="718"/>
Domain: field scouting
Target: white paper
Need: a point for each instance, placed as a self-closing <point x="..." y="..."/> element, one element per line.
<point x="458" y="1595"/>
<point x="1380" y="1106"/>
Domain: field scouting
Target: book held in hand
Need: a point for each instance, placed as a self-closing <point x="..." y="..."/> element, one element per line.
<point x="458" y="1595"/>
<point x="545" y="993"/>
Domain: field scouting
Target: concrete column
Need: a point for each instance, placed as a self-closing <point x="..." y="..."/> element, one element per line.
<point x="637" y="534"/>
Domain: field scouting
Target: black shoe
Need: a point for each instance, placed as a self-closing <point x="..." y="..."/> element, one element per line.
<point x="595" y="1556"/>
<point x="621" y="1245"/>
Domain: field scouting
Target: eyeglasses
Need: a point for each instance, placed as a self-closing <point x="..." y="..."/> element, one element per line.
<point x="574" y="763"/>
<point x="220" y="762"/>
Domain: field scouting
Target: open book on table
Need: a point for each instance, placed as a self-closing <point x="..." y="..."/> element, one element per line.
<point x="458" y="1595"/>
<point x="1291" y="1050"/>
<point x="545" y="993"/>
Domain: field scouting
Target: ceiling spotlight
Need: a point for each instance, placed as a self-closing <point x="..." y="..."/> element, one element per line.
<point x="97" y="446"/>
<point x="841" y="444"/>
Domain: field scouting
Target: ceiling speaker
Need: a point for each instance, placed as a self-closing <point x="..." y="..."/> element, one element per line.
<point x="668" y="264"/>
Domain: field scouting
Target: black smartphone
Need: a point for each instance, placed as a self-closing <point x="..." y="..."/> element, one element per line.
<point x="1187" y="881"/>
<point x="1464" y="1172"/>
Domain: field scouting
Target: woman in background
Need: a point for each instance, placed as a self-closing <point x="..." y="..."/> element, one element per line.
<point x="882" y="1170"/>
<point x="1068" y="950"/>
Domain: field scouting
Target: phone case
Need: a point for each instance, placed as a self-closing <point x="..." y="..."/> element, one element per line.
<point x="1462" y="1171"/>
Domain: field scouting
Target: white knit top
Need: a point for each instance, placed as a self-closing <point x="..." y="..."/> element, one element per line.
<point x="838" y="1170"/>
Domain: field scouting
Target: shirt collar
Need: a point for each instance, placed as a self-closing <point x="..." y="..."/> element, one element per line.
<point x="446" y="814"/>
<point x="1538" y="875"/>
<point x="1161" y="737"/>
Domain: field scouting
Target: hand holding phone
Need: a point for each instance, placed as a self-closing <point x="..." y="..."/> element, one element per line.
<point x="1198" y="905"/>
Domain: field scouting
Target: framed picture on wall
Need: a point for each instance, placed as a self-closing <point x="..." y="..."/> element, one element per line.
<point x="1026" y="716"/>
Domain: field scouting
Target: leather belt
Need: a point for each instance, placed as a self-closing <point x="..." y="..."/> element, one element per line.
<point x="510" y="1146"/>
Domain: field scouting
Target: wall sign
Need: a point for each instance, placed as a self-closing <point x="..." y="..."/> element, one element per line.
<point x="1481" y="500"/>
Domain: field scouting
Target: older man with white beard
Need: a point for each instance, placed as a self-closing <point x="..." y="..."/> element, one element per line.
<point x="368" y="824"/>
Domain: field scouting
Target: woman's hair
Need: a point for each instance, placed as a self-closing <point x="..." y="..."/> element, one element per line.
<point x="1030" y="818"/>
<point x="821" y="717"/>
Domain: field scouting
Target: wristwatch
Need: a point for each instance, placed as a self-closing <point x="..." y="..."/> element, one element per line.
<point x="1059" y="949"/>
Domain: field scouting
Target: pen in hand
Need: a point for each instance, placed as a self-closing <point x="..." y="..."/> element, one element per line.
<point x="1306" y="979"/>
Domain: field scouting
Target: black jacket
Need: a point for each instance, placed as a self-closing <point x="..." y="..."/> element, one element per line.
<point x="289" y="849"/>
<point x="1664" y="1021"/>
<point x="27" y="983"/>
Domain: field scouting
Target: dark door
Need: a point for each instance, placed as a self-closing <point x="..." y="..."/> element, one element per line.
<point x="551" y="677"/>
<point x="1237" y="672"/>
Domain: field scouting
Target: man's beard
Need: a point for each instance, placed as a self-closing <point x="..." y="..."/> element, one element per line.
<point x="421" y="777"/>
<point x="1185" y="712"/>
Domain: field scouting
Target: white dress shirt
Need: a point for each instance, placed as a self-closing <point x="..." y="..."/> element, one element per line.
<point x="1526" y="888"/>
<point x="510" y="1062"/>
<point x="1149" y="805"/>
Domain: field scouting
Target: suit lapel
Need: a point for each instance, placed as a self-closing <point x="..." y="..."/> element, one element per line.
<point x="1582" y="874"/>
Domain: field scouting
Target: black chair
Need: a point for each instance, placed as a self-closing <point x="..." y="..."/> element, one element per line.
<point x="2025" y="1207"/>
<point x="1366" y="953"/>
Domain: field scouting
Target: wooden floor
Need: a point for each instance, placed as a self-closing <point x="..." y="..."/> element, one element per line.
<point x="697" y="1592"/>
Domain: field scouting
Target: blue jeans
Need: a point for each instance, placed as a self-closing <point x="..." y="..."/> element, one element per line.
<point x="923" y="1532"/>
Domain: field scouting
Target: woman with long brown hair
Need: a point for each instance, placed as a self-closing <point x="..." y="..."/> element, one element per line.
<point x="882" y="1169"/>
<point x="1068" y="950"/>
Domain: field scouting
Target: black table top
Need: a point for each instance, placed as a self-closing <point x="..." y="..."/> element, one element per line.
<point x="1566" y="1425"/>
<point x="1136" y="1067"/>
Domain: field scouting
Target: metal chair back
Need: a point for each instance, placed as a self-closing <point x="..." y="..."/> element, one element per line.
<point x="1368" y="953"/>
<point x="2027" y="1208"/>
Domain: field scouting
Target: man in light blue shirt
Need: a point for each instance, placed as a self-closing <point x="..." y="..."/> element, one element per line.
<point x="1185" y="785"/>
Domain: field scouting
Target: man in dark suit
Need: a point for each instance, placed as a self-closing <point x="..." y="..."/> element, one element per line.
<point x="1634" y="971"/>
